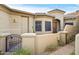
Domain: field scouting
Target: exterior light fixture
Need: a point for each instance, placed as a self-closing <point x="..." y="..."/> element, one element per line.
<point x="14" y="21"/>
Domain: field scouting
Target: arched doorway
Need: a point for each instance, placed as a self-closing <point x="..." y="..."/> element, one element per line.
<point x="56" y="25"/>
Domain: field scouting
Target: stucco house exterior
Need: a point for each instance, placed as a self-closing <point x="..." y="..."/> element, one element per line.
<point x="59" y="17"/>
<point x="29" y="25"/>
<point x="18" y="22"/>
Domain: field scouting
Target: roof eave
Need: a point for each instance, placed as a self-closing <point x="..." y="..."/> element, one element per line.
<point x="14" y="10"/>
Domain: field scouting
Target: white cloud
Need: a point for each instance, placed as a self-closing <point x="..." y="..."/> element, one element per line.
<point x="42" y="9"/>
<point x="30" y="9"/>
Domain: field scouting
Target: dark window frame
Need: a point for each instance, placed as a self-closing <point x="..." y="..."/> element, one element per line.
<point x="38" y="26"/>
<point x="47" y="25"/>
<point x="70" y="23"/>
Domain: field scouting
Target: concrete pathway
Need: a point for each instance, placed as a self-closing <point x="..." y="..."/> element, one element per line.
<point x="9" y="53"/>
<point x="66" y="50"/>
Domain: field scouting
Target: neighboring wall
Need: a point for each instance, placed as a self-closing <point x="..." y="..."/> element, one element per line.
<point x="70" y="21"/>
<point x="71" y="32"/>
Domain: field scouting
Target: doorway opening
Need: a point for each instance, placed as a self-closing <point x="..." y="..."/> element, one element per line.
<point x="56" y="25"/>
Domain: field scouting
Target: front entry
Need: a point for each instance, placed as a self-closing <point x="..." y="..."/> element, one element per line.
<point x="56" y="26"/>
<point x="13" y="42"/>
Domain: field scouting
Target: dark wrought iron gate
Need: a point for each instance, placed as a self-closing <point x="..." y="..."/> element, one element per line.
<point x="13" y="42"/>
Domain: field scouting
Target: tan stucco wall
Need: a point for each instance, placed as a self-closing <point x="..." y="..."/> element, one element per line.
<point x="62" y="37"/>
<point x="31" y="24"/>
<point x="7" y="23"/>
<point x="43" y="19"/>
<point x="77" y="44"/>
<point x="23" y="22"/>
<point x="3" y="41"/>
<point x="28" y="41"/>
<point x="59" y="15"/>
<point x="45" y="40"/>
<point x="38" y="43"/>
<point x="2" y="44"/>
<point x="4" y="22"/>
<point x="20" y="25"/>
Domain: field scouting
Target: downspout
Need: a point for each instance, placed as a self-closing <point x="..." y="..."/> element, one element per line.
<point x="28" y="24"/>
<point x="33" y="24"/>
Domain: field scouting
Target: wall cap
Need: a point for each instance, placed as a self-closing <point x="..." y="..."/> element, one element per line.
<point x="28" y="34"/>
<point x="63" y="32"/>
<point x="77" y="34"/>
<point x="4" y="34"/>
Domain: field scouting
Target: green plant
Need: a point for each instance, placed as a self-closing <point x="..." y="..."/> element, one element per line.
<point x="51" y="48"/>
<point x="22" y="52"/>
<point x="73" y="53"/>
<point x="1" y="53"/>
<point x="33" y="29"/>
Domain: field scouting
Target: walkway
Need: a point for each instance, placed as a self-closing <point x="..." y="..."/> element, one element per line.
<point x="66" y="50"/>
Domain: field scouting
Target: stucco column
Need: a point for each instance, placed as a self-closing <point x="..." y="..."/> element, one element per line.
<point x="43" y="26"/>
<point x="31" y="24"/>
<point x="77" y="44"/>
<point x="3" y="41"/>
<point x="61" y="18"/>
<point x="77" y="37"/>
<point x="29" y="42"/>
<point x="62" y="37"/>
<point x="62" y="23"/>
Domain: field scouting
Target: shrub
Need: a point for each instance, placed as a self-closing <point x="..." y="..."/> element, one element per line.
<point x="1" y="53"/>
<point x="73" y="53"/>
<point x="22" y="52"/>
<point x="51" y="48"/>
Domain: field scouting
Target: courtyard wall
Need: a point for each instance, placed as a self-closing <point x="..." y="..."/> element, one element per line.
<point x="38" y="43"/>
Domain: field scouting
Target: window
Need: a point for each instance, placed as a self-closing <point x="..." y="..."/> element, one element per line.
<point x="68" y="23"/>
<point x="47" y="26"/>
<point x="38" y="25"/>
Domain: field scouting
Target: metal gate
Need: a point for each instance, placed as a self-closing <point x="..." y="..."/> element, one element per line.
<point x="13" y="42"/>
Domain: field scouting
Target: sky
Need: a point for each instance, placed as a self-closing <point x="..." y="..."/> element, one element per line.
<point x="43" y="8"/>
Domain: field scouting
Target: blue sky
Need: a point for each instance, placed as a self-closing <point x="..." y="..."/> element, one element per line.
<point x="45" y="7"/>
